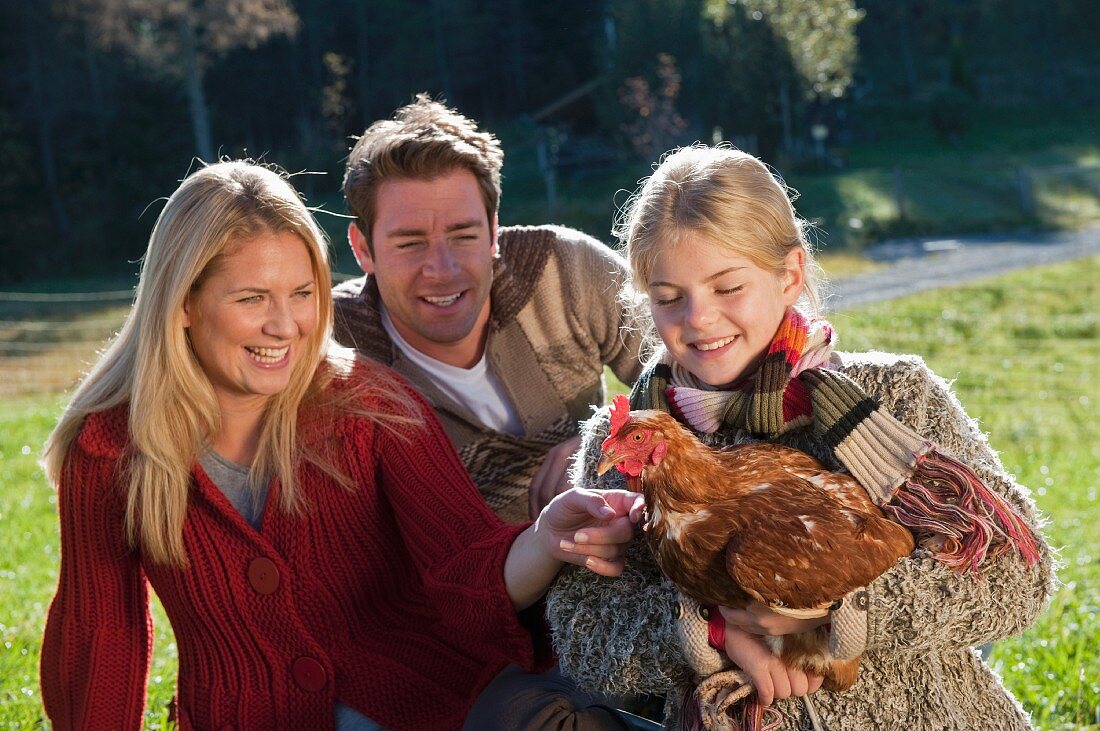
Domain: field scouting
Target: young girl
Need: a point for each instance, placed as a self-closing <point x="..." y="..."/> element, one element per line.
<point x="719" y="253"/>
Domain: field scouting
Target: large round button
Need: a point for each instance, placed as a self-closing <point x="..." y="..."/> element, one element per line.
<point x="309" y="674"/>
<point x="263" y="575"/>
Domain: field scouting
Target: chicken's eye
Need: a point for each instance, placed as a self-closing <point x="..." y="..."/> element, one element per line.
<point x="636" y="436"/>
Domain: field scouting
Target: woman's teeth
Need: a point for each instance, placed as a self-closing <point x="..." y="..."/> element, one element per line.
<point x="713" y="346"/>
<point x="268" y="356"/>
<point x="443" y="301"/>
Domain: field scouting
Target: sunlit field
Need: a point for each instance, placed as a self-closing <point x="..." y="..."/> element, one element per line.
<point x="1022" y="349"/>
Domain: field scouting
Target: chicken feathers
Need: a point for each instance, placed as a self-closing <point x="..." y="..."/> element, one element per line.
<point x="754" y="521"/>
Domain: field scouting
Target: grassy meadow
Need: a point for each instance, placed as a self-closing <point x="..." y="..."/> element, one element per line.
<point x="1022" y="349"/>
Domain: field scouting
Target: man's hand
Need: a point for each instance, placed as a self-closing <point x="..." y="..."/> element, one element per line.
<point x="552" y="479"/>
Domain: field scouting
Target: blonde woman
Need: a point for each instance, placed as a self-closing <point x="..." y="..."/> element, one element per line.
<point x="322" y="555"/>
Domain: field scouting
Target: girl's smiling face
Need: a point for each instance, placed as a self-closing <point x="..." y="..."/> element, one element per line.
<point x="716" y="310"/>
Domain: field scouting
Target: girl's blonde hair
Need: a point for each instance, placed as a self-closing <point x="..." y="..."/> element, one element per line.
<point x="150" y="365"/>
<point x="726" y="195"/>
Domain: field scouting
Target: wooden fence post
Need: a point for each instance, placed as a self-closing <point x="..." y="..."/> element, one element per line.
<point x="1027" y="195"/>
<point x="899" y="193"/>
<point x="549" y="176"/>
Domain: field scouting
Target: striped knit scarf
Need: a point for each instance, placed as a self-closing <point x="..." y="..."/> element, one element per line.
<point x="934" y="495"/>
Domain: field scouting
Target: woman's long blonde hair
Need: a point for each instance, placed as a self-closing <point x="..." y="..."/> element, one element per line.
<point x="150" y="365"/>
<point x="726" y="195"/>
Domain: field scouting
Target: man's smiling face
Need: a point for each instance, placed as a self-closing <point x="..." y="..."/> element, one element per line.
<point x="433" y="247"/>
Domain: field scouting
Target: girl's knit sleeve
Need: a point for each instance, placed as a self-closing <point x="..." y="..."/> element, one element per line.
<point x="616" y="635"/>
<point x="921" y="605"/>
<point x="456" y="541"/>
<point x="99" y="633"/>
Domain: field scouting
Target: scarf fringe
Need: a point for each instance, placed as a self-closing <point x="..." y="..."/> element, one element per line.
<point x="944" y="501"/>
<point x="746" y="716"/>
<point x="726" y="701"/>
<point x="691" y="716"/>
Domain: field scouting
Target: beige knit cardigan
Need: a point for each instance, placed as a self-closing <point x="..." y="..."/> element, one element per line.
<point x="555" y="322"/>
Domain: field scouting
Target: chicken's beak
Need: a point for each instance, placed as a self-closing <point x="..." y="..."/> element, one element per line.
<point x="607" y="461"/>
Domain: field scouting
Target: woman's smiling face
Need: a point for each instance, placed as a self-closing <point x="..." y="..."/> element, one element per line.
<point x="716" y="310"/>
<point x="251" y="316"/>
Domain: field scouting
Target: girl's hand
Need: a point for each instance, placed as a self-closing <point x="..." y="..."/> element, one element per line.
<point x="590" y="528"/>
<point x="758" y="619"/>
<point x="773" y="680"/>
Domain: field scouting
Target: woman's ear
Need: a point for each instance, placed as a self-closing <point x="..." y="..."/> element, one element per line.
<point x="794" y="275"/>
<point x="187" y="311"/>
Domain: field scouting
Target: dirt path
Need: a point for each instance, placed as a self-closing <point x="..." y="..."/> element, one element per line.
<point x="917" y="265"/>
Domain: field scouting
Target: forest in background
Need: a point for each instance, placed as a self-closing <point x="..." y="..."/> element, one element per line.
<point x="105" y="104"/>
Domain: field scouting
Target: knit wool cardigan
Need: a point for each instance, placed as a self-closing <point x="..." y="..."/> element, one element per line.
<point x="555" y="323"/>
<point x="915" y="625"/>
<point x="390" y="599"/>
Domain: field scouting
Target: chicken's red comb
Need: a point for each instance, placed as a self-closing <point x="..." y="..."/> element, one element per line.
<point x="620" y="413"/>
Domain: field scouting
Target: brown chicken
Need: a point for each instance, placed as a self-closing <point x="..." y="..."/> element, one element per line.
<point x="758" y="521"/>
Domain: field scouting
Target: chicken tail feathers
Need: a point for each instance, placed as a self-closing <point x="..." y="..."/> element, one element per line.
<point x="945" y="501"/>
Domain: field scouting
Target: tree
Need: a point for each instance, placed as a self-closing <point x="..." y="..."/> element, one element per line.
<point x="819" y="37"/>
<point x="181" y="39"/>
<point x="656" y="125"/>
<point x="890" y="45"/>
<point x="749" y="67"/>
<point x="44" y="117"/>
<point x="640" y="38"/>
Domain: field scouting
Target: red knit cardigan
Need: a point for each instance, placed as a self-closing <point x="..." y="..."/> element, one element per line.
<point x="389" y="599"/>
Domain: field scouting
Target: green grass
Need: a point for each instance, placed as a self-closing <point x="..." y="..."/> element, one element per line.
<point x="969" y="186"/>
<point x="587" y="202"/>
<point x="840" y="264"/>
<point x="46" y="353"/>
<point x="28" y="571"/>
<point x="1022" y="349"/>
<point x="28" y="565"/>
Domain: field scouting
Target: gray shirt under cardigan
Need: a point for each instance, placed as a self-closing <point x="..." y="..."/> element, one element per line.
<point x="232" y="479"/>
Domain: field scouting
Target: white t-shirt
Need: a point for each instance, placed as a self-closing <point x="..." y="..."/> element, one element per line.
<point x="475" y="388"/>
